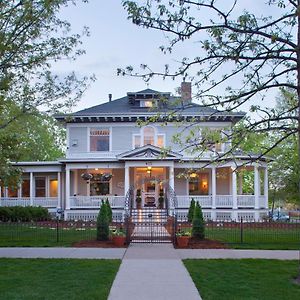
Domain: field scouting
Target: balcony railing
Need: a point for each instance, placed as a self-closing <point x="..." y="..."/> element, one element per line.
<point x="95" y="201"/>
<point x="48" y="202"/>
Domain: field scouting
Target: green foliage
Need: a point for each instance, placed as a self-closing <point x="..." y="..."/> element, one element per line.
<point x="103" y="223"/>
<point x="23" y="214"/>
<point x="191" y="211"/>
<point x="109" y="210"/>
<point x="161" y="199"/>
<point x="198" y="224"/>
<point x="138" y="198"/>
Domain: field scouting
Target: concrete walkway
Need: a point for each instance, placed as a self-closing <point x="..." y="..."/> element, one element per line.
<point x="89" y="253"/>
<point x="152" y="271"/>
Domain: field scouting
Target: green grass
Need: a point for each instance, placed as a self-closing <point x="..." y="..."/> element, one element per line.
<point x="17" y="235"/>
<point x="56" y="278"/>
<point x="257" y="238"/>
<point x="244" y="279"/>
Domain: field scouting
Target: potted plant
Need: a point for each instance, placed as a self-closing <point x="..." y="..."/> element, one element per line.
<point x="138" y="199"/>
<point x="118" y="237"/>
<point x="161" y="199"/>
<point x="183" y="238"/>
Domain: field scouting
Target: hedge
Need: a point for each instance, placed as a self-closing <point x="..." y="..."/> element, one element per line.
<point x="24" y="214"/>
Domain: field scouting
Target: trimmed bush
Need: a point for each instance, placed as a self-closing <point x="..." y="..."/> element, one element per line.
<point x="191" y="211"/>
<point x="198" y="225"/>
<point x="103" y="223"/>
<point x="109" y="210"/>
<point x="23" y="214"/>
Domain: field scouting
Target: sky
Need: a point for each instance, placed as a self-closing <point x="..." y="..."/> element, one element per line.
<point x="115" y="42"/>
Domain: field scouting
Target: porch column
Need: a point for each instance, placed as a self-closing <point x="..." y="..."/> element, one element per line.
<point x="59" y="204"/>
<point x="31" y="189"/>
<point x="68" y="189"/>
<point x="126" y="180"/>
<point x="75" y="177"/>
<point x="240" y="180"/>
<point x="234" y="195"/>
<point x="171" y="177"/>
<point x="256" y="187"/>
<point x="213" y="193"/>
<point x="266" y="187"/>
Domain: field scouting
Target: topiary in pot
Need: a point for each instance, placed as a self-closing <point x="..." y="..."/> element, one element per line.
<point x="161" y="199"/>
<point x="198" y="225"/>
<point x="102" y="223"/>
<point x="138" y="198"/>
<point x="191" y="211"/>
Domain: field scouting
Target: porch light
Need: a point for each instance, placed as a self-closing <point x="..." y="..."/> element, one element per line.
<point x="149" y="169"/>
<point x="193" y="175"/>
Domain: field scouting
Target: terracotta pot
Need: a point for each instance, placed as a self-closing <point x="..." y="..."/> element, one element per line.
<point x="119" y="241"/>
<point x="182" y="241"/>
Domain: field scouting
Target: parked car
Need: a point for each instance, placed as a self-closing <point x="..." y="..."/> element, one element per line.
<point x="280" y="217"/>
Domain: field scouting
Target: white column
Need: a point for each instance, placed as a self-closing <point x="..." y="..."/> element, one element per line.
<point x="31" y="188"/>
<point x="213" y="193"/>
<point x="67" y="189"/>
<point x="234" y="190"/>
<point x="256" y="187"/>
<point x="240" y="179"/>
<point x="171" y="176"/>
<point x="59" y="204"/>
<point x="266" y="187"/>
<point x="126" y="180"/>
<point x="75" y="181"/>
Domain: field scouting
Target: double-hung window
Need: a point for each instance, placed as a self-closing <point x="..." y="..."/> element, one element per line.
<point x="99" y="139"/>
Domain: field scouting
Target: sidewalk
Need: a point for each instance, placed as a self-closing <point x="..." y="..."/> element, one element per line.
<point x="152" y="271"/>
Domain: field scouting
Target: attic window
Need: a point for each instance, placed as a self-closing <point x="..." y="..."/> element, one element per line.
<point x="146" y="103"/>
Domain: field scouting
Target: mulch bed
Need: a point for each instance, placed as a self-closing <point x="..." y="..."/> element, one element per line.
<point x="96" y="244"/>
<point x="204" y="244"/>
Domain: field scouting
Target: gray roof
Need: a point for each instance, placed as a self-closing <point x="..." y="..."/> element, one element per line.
<point x="123" y="107"/>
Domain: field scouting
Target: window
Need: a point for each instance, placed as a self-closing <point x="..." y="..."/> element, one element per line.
<point x="40" y="187"/>
<point x="26" y="188"/>
<point x="137" y="141"/>
<point x="53" y="187"/>
<point x="98" y="188"/>
<point x="160" y="140"/>
<point x="149" y="136"/>
<point x="198" y="184"/>
<point x="146" y="103"/>
<point x="99" y="139"/>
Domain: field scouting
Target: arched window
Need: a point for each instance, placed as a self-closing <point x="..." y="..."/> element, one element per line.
<point x="149" y="134"/>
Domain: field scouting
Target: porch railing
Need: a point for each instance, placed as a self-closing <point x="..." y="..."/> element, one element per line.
<point x="184" y="201"/>
<point x="245" y="200"/>
<point x="25" y="201"/>
<point x="224" y="201"/>
<point x="95" y="201"/>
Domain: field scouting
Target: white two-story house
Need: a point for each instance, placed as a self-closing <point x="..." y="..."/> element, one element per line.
<point x="111" y="155"/>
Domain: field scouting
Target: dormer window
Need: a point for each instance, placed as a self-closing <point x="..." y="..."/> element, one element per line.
<point x="146" y="103"/>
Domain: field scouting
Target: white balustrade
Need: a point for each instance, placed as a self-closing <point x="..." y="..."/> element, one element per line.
<point x="95" y="201"/>
<point x="25" y="201"/>
<point x="224" y="201"/>
<point x="262" y="201"/>
<point x="245" y="200"/>
<point x="184" y="201"/>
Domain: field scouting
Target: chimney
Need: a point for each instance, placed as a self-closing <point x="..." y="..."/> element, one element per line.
<point x="109" y="97"/>
<point x="186" y="92"/>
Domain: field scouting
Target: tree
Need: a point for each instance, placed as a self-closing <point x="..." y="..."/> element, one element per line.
<point x="109" y="211"/>
<point x="191" y="211"/>
<point x="241" y="58"/>
<point x="32" y="39"/>
<point x="103" y="223"/>
<point x="198" y="224"/>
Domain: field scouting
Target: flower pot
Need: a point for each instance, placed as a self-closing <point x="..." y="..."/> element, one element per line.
<point x="118" y="240"/>
<point x="182" y="241"/>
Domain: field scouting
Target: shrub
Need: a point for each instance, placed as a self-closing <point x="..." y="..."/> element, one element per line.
<point x="191" y="211"/>
<point x="103" y="223"/>
<point x="161" y="199"/>
<point x="198" y="225"/>
<point x="23" y="214"/>
<point x="109" y="210"/>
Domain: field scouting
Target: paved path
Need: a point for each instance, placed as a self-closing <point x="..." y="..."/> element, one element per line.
<point x="92" y="253"/>
<point x="153" y="271"/>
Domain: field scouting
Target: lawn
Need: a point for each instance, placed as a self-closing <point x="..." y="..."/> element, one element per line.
<point x="56" y="278"/>
<point x="244" y="279"/>
<point x="26" y="235"/>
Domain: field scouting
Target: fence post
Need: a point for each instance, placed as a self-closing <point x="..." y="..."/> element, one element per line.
<point x="127" y="230"/>
<point x="241" y="231"/>
<point x="174" y="229"/>
<point x="57" y="229"/>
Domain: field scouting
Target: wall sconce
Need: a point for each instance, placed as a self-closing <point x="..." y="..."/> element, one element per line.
<point x="204" y="184"/>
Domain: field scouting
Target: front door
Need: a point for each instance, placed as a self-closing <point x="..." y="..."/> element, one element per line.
<point x="149" y="193"/>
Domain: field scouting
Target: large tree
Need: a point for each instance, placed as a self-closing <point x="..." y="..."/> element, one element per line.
<point x="32" y="39"/>
<point x="242" y="57"/>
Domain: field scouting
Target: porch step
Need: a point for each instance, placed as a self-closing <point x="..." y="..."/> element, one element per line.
<point x="149" y="215"/>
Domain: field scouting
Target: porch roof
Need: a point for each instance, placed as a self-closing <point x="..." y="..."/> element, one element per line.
<point x="149" y="152"/>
